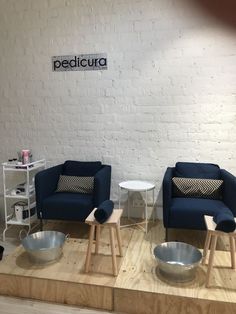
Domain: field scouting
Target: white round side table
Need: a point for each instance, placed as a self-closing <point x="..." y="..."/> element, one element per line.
<point x="138" y="186"/>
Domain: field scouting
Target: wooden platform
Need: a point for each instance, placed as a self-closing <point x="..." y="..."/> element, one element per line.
<point x="138" y="288"/>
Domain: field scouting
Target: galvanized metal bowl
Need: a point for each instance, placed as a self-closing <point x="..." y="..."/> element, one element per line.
<point x="177" y="261"/>
<point x="44" y="246"/>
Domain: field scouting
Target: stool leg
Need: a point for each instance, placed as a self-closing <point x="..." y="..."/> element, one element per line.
<point x="119" y="194"/>
<point x="128" y="204"/>
<point x="211" y="257"/>
<point x="98" y="232"/>
<point x="206" y="247"/>
<point x="153" y="205"/>
<point x="89" y="250"/>
<point x="114" y="264"/>
<point x="119" y="238"/>
<point x="232" y="252"/>
<point x="146" y="220"/>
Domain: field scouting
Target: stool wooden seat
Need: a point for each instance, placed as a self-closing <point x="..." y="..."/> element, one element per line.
<point x="113" y="223"/>
<point x="210" y="243"/>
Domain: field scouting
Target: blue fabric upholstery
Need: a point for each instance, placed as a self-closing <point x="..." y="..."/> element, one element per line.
<point x="104" y="211"/>
<point x="224" y="221"/>
<point x="167" y="194"/>
<point x="46" y="183"/>
<point x="78" y="206"/>
<point x="71" y="206"/>
<point x="197" y="170"/>
<point x="229" y="190"/>
<point x="102" y="184"/>
<point x="188" y="213"/>
<point x="81" y="168"/>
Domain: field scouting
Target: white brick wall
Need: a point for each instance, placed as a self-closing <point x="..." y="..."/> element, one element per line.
<point x="168" y="95"/>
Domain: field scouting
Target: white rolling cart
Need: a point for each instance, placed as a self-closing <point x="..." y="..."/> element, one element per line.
<point x="24" y="174"/>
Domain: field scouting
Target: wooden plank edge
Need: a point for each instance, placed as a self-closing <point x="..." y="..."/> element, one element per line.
<point x="133" y="302"/>
<point x="57" y="291"/>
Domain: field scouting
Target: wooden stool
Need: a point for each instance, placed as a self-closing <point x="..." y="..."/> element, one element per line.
<point x="212" y="236"/>
<point x="113" y="223"/>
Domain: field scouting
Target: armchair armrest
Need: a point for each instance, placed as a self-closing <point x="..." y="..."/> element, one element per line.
<point x="229" y="190"/>
<point x="102" y="185"/>
<point x="45" y="184"/>
<point x="167" y="194"/>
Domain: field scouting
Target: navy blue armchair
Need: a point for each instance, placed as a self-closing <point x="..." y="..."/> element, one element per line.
<point x="187" y="212"/>
<point x="66" y="205"/>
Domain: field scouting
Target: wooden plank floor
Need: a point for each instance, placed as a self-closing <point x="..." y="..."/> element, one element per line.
<point x="65" y="281"/>
<point x="149" y="292"/>
<point x="139" y="288"/>
<point x="9" y="305"/>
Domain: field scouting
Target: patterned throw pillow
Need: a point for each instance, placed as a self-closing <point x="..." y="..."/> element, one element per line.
<point x="198" y="188"/>
<point x="75" y="184"/>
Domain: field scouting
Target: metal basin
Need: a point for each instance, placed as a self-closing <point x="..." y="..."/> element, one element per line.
<point x="177" y="261"/>
<point x="44" y="246"/>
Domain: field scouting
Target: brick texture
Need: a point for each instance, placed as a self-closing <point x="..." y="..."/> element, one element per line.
<point x="168" y="94"/>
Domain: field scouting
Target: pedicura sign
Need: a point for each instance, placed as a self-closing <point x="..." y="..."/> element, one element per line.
<point x="88" y="62"/>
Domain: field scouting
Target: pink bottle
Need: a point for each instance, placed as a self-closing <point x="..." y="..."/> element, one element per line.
<point x="25" y="156"/>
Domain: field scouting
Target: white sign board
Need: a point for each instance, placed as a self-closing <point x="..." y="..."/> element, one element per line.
<point x="88" y="62"/>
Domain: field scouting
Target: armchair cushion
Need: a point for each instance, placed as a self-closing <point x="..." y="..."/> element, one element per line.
<point x="189" y="213"/>
<point x="81" y="168"/>
<point x="197" y="170"/>
<point x="199" y="188"/>
<point x="75" y="184"/>
<point x="78" y="206"/>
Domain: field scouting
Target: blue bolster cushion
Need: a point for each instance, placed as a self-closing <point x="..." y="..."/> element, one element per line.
<point x="224" y="222"/>
<point x="104" y="211"/>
